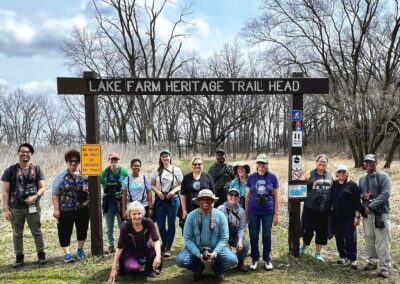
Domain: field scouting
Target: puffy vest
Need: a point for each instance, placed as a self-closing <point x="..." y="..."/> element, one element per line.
<point x="319" y="192"/>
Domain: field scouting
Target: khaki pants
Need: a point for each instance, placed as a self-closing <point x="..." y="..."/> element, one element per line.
<point x="377" y="242"/>
<point x="18" y="222"/>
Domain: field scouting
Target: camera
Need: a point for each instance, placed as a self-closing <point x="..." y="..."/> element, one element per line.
<point x="205" y="253"/>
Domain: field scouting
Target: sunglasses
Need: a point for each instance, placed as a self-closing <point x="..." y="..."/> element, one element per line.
<point x="73" y="161"/>
<point x="341" y="172"/>
<point x="197" y="164"/>
<point x="233" y="194"/>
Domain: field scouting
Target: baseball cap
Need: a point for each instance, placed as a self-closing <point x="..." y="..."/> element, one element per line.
<point x="233" y="189"/>
<point x="166" y="151"/>
<point x="220" y="150"/>
<point x="370" y="157"/>
<point x="262" y="158"/>
<point x="113" y="155"/>
<point x="341" y="167"/>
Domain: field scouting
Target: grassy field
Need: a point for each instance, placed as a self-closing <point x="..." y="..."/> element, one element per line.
<point x="287" y="269"/>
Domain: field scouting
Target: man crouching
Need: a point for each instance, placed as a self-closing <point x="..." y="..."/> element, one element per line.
<point x="206" y="233"/>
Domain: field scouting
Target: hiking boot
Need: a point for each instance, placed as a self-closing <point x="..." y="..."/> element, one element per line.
<point x="268" y="266"/>
<point x="219" y="278"/>
<point x="19" y="261"/>
<point x="253" y="265"/>
<point x="111" y="249"/>
<point x="341" y="260"/>
<point x="80" y="253"/>
<point x="68" y="258"/>
<point x="302" y="248"/>
<point x="318" y="256"/>
<point x="370" y="266"/>
<point x="384" y="273"/>
<point x="242" y="267"/>
<point x="42" y="258"/>
<point x="353" y="264"/>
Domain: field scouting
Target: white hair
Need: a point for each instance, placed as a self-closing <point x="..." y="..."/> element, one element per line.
<point x="135" y="206"/>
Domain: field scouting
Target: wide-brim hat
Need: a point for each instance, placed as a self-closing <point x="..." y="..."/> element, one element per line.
<point x="241" y="164"/>
<point x="205" y="193"/>
<point x="262" y="158"/>
<point x="370" y="157"/>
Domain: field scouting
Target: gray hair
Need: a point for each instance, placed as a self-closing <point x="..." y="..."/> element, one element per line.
<point x="135" y="206"/>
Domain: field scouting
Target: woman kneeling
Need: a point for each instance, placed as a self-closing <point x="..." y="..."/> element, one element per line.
<point x="138" y="243"/>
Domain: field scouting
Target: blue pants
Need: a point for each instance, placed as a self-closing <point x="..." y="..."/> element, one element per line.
<point x="112" y="212"/>
<point x="241" y="255"/>
<point x="346" y="236"/>
<point x="255" y="221"/>
<point x="167" y="210"/>
<point x="225" y="259"/>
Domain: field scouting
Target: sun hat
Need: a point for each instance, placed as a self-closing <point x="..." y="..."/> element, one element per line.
<point x="241" y="164"/>
<point x="205" y="193"/>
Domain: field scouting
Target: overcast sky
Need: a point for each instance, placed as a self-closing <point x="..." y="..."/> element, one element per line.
<point x="31" y="33"/>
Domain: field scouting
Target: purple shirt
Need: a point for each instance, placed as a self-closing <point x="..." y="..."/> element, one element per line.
<point x="261" y="193"/>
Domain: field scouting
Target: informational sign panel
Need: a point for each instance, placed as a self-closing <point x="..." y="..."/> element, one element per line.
<point x="296" y="175"/>
<point x="91" y="161"/>
<point x="296" y="115"/>
<point x="297" y="139"/>
<point x="297" y="191"/>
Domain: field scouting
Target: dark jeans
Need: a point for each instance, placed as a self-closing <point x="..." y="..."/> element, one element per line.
<point x="255" y="221"/>
<point x="130" y="263"/>
<point x="346" y="236"/>
<point x="315" y="221"/>
<point x="66" y="223"/>
<point x="167" y="210"/>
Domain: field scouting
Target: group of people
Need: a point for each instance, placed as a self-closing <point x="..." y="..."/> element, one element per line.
<point x="334" y="206"/>
<point x="213" y="208"/>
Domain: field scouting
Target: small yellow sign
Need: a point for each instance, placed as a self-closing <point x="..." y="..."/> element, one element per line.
<point x="91" y="161"/>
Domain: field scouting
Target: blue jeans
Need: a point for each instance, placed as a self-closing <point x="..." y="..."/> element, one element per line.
<point x="167" y="210"/>
<point x="112" y="212"/>
<point x="241" y="255"/>
<point x="225" y="259"/>
<point x="254" y="229"/>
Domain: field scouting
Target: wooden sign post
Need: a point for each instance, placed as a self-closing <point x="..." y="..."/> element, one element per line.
<point x="91" y="87"/>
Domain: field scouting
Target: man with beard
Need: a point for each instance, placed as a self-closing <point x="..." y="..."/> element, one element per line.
<point x="222" y="174"/>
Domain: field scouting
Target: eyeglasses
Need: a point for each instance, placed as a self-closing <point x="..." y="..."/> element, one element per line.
<point x="197" y="164"/>
<point x="233" y="194"/>
<point x="73" y="161"/>
<point x="341" y="172"/>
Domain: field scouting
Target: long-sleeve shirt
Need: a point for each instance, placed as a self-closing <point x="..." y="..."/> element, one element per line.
<point x="379" y="185"/>
<point x="238" y="224"/>
<point x="219" y="234"/>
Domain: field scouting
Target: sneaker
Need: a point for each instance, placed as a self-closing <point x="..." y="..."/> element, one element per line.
<point x="167" y="253"/>
<point x="370" y="266"/>
<point x="318" y="256"/>
<point x="219" y="278"/>
<point x="80" y="253"/>
<point x="384" y="273"/>
<point x="42" y="258"/>
<point x="302" y="249"/>
<point x="341" y="260"/>
<point x="353" y="264"/>
<point x="19" y="261"/>
<point x="68" y="258"/>
<point x="268" y="265"/>
<point x="253" y="265"/>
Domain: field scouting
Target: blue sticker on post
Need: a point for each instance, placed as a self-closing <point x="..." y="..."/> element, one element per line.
<point x="297" y="191"/>
<point x="296" y="115"/>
